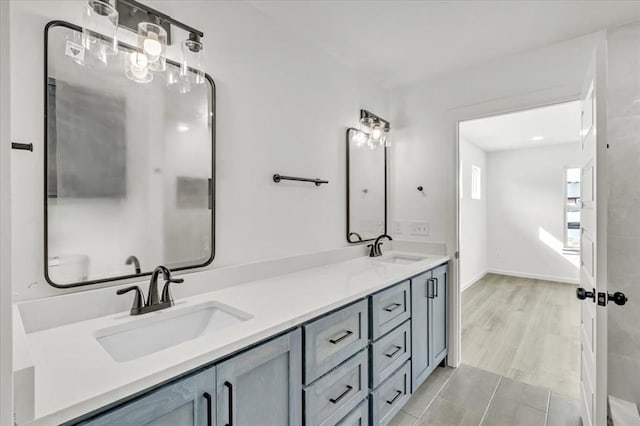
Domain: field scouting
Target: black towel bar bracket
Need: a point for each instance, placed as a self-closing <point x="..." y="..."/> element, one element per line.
<point x="277" y="178"/>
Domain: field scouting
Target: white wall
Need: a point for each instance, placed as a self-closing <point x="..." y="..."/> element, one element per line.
<point x="623" y="244"/>
<point x="6" y="347"/>
<point x="425" y="116"/>
<point x="282" y="106"/>
<point x="526" y="202"/>
<point x="473" y="216"/>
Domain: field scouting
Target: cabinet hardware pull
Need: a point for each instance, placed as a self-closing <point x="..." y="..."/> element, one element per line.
<point x="207" y="396"/>
<point x="397" y="349"/>
<point x="430" y="288"/>
<point x="398" y="393"/>
<point x="435" y="287"/>
<point x="341" y="338"/>
<point x="230" y="406"/>
<point x="392" y="307"/>
<point x="342" y="395"/>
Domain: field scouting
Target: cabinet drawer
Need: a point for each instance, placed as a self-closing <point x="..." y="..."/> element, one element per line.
<point x="391" y="395"/>
<point x="389" y="309"/>
<point x="330" y="340"/>
<point x="359" y="416"/>
<point x="389" y="353"/>
<point x="333" y="396"/>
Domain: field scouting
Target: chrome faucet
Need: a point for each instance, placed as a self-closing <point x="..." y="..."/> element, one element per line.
<point x="376" y="246"/>
<point x="154" y="302"/>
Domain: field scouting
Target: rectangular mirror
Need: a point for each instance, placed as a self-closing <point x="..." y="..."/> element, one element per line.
<point x="129" y="182"/>
<point x="366" y="189"/>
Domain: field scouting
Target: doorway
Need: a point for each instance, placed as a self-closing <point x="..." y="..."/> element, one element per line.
<point x="519" y="227"/>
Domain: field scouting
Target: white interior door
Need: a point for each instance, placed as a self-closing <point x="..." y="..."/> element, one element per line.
<point x="593" y="267"/>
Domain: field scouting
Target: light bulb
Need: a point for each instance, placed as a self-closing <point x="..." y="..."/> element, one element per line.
<point x="376" y="132"/>
<point x="138" y="68"/>
<point x="152" y="47"/>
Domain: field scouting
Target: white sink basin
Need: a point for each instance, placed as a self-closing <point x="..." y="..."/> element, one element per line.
<point x="401" y="260"/>
<point x="160" y="330"/>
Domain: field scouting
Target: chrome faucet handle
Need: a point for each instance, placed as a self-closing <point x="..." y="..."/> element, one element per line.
<point x="138" y="300"/>
<point x="166" y="291"/>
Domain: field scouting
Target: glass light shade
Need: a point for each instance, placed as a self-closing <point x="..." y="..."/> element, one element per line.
<point x="137" y="67"/>
<point x="152" y="40"/>
<point x="175" y="82"/>
<point x="99" y="31"/>
<point x="192" y="62"/>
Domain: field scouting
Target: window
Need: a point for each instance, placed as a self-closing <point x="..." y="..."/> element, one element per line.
<point x="572" y="209"/>
<point x="476" y="183"/>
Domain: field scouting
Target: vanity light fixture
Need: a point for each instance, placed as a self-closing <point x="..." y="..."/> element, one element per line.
<point x="375" y="128"/>
<point x="192" y="60"/>
<point x="152" y="40"/>
<point x="99" y="18"/>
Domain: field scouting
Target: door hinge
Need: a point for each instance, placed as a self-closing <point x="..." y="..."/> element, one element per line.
<point x="456" y="255"/>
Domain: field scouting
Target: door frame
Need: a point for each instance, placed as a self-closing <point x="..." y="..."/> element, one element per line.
<point x="517" y="103"/>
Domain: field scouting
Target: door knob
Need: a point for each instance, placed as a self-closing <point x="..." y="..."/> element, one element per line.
<point x="582" y="294"/>
<point x="619" y="298"/>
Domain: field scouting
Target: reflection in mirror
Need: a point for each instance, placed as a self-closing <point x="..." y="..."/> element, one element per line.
<point x="366" y="188"/>
<point x="129" y="179"/>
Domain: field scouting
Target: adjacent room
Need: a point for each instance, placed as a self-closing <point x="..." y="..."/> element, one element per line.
<point x="520" y="245"/>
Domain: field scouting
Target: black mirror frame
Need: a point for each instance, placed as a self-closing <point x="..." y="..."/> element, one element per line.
<point x="58" y="23"/>
<point x="386" y="189"/>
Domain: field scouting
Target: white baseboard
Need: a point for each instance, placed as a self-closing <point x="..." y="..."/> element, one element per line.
<point x="473" y="280"/>
<point x="563" y="280"/>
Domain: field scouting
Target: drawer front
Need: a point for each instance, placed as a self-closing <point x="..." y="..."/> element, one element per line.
<point x="389" y="309"/>
<point x="389" y="353"/>
<point x="358" y="417"/>
<point x="391" y="395"/>
<point x="330" y="340"/>
<point x="333" y="396"/>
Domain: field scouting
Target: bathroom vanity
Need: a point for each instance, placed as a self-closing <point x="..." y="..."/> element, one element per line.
<point x="343" y="343"/>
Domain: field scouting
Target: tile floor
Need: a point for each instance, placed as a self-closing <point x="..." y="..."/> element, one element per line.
<point x="471" y="396"/>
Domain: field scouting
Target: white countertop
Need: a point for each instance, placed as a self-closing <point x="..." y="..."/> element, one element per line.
<point x="74" y="375"/>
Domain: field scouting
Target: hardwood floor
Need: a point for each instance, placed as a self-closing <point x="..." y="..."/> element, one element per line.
<point x="524" y="329"/>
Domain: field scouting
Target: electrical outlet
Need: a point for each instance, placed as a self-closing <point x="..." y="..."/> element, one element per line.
<point x="420" y="228"/>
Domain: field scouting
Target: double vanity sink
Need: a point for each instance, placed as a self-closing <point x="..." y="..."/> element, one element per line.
<point x="82" y="366"/>
<point x="160" y="330"/>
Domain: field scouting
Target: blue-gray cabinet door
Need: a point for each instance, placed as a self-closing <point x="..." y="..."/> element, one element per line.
<point x="420" y="329"/>
<point x="439" y="315"/>
<point x="262" y="386"/>
<point x="185" y="402"/>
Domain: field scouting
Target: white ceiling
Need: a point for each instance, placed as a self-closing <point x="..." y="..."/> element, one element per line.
<point x="555" y="124"/>
<point x="395" y="43"/>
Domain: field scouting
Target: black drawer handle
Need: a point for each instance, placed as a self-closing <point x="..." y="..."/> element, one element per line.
<point x="342" y="395"/>
<point x="207" y="396"/>
<point x="392" y="354"/>
<point x="435" y="287"/>
<point x="392" y="307"/>
<point x="398" y="393"/>
<point x="229" y="386"/>
<point x="341" y="338"/>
